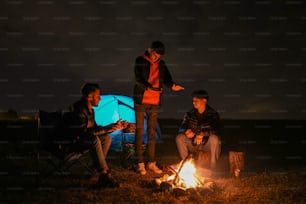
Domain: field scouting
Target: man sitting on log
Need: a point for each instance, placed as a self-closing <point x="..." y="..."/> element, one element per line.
<point x="199" y="128"/>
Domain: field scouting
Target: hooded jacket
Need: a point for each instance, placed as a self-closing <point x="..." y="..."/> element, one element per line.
<point x="142" y="73"/>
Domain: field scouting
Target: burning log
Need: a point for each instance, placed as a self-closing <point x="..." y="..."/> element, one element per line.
<point x="175" y="180"/>
<point x="184" y="178"/>
<point x="166" y="186"/>
<point x="179" y="192"/>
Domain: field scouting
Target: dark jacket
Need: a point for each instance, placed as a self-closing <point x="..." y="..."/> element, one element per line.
<point x="74" y="128"/>
<point x="77" y="119"/>
<point x="142" y="72"/>
<point x="207" y="121"/>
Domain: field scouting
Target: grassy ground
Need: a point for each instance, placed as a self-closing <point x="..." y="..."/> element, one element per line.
<point x="267" y="178"/>
<point x="277" y="186"/>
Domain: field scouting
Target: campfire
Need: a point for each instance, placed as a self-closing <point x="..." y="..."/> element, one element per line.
<point x="185" y="176"/>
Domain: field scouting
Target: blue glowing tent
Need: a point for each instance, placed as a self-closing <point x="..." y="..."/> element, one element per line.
<point x="114" y="107"/>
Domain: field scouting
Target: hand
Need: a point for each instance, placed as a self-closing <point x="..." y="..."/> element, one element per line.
<point x="198" y="139"/>
<point x="121" y="124"/>
<point x="153" y="89"/>
<point x="124" y="124"/>
<point x="189" y="133"/>
<point x="176" y="87"/>
<point x="116" y="126"/>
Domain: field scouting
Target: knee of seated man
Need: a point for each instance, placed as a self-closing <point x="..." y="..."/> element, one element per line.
<point x="108" y="138"/>
<point x="213" y="138"/>
<point x="96" y="141"/>
<point x="180" y="137"/>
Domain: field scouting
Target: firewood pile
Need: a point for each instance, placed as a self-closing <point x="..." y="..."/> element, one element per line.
<point x="185" y="177"/>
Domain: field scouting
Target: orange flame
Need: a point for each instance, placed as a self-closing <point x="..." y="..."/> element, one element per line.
<point x="187" y="177"/>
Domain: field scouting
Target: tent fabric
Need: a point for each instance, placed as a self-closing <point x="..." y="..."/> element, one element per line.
<point x="114" y="107"/>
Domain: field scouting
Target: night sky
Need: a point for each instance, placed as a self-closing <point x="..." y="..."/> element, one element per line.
<point x="249" y="55"/>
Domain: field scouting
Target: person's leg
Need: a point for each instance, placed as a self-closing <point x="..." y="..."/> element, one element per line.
<point x="139" y="113"/>
<point x="106" y="142"/>
<point x="105" y="178"/>
<point x="184" y="145"/>
<point x="214" y="146"/>
<point x="152" y="112"/>
<point x="97" y="145"/>
<point x="151" y="130"/>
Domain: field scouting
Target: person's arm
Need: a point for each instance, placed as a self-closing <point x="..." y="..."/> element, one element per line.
<point x="216" y="121"/>
<point x="167" y="79"/>
<point x="165" y="75"/>
<point x="73" y="126"/>
<point x="101" y="130"/>
<point x="139" y="71"/>
<point x="176" y="87"/>
<point x="185" y="127"/>
<point x="213" y="119"/>
<point x="210" y="123"/>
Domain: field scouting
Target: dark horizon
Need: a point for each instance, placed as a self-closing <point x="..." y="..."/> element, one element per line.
<point x="7" y="115"/>
<point x="249" y="56"/>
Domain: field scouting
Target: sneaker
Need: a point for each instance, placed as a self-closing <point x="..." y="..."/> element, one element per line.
<point x="107" y="181"/>
<point x="152" y="166"/>
<point x="142" y="169"/>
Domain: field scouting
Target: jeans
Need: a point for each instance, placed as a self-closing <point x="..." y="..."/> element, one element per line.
<point x="99" y="146"/>
<point x="185" y="146"/>
<point x="151" y="112"/>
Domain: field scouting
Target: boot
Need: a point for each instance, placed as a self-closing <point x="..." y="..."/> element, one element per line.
<point x="142" y="169"/>
<point x="152" y="166"/>
<point x="107" y="181"/>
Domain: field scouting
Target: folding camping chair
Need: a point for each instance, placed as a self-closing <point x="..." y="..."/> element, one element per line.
<point x="52" y="147"/>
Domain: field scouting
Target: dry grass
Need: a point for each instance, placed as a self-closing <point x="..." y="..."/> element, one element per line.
<point x="282" y="186"/>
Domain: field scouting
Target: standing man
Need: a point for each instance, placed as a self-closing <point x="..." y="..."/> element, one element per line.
<point x="199" y="130"/>
<point x="151" y="73"/>
<point x="85" y="133"/>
